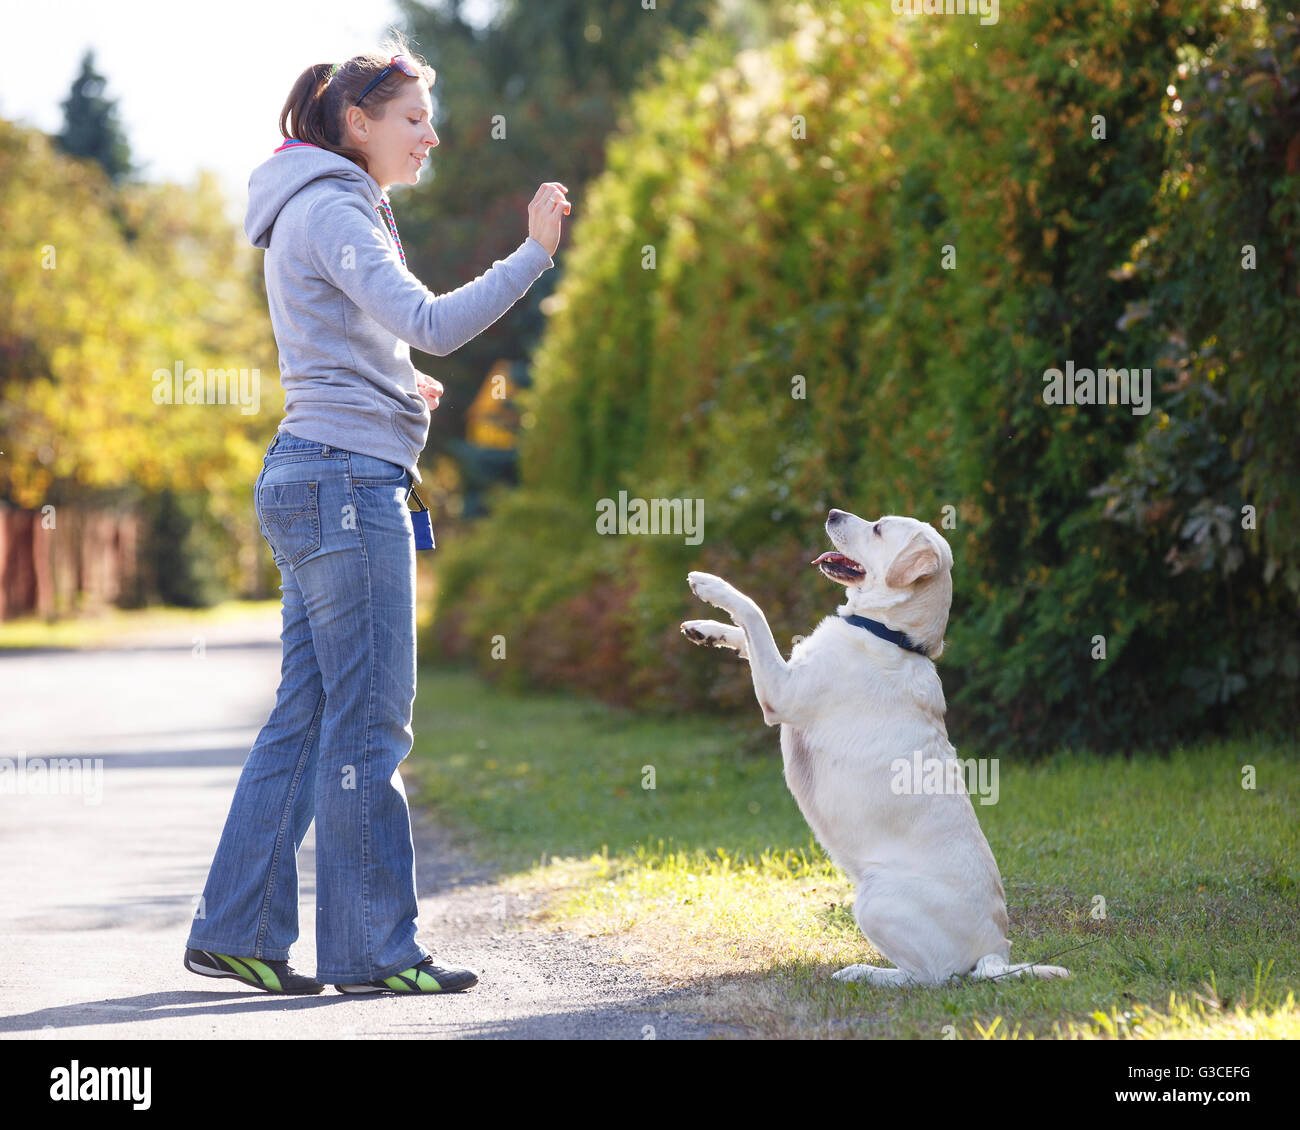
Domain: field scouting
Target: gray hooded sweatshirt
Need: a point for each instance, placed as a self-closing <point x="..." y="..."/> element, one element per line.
<point x="345" y="310"/>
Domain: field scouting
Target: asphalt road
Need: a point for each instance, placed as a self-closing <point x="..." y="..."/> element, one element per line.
<point x="100" y="881"/>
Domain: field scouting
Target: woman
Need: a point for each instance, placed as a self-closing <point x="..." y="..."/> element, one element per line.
<point x="331" y="501"/>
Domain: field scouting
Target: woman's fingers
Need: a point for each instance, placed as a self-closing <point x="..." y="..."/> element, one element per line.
<point x="430" y="388"/>
<point x="557" y="197"/>
<point x="544" y="214"/>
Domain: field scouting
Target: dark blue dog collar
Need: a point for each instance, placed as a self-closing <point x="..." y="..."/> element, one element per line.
<point x="876" y="628"/>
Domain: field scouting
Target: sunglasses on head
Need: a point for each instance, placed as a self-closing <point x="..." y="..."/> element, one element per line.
<point x="396" y="63"/>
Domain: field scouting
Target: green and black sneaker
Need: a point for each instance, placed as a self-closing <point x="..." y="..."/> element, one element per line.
<point x="270" y="976"/>
<point x="422" y="978"/>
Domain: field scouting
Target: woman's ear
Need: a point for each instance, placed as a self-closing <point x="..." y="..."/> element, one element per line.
<point x="917" y="559"/>
<point x="354" y="122"/>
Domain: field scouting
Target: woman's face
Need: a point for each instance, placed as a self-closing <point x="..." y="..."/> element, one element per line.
<point x="396" y="144"/>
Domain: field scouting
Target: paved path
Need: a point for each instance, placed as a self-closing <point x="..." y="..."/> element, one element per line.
<point x="97" y="890"/>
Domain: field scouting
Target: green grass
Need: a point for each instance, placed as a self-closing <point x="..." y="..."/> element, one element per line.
<point x="712" y="879"/>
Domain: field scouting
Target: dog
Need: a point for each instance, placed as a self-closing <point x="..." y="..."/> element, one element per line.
<point x="857" y="695"/>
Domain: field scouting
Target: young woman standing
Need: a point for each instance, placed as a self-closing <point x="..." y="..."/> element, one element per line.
<point x="331" y="500"/>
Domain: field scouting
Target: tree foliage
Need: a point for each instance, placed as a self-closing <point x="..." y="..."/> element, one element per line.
<point x="90" y="124"/>
<point x="106" y="285"/>
<point x="528" y="99"/>
<point x="920" y="218"/>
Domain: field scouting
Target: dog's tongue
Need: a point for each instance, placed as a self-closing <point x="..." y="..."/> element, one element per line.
<point x="829" y="555"/>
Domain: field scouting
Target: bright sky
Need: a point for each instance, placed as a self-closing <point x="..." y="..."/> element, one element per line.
<point x="217" y="104"/>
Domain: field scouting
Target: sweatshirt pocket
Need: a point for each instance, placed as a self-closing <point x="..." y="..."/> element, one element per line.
<point x="406" y="427"/>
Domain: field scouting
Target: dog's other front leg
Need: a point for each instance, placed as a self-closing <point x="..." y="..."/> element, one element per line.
<point x="710" y="633"/>
<point x="771" y="673"/>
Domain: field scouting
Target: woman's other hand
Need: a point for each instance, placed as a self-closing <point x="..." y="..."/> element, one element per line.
<point x="544" y="215"/>
<point x="428" y="388"/>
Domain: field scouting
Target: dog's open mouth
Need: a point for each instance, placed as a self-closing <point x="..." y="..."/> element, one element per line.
<point x="838" y="567"/>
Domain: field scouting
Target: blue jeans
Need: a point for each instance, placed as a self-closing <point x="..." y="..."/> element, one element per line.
<point x="337" y="525"/>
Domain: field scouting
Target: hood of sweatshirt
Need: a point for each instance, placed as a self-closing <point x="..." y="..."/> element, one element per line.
<point x="291" y="167"/>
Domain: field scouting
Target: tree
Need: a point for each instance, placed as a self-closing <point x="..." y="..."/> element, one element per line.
<point x="529" y="98"/>
<point x="90" y="124"/>
<point x="93" y="328"/>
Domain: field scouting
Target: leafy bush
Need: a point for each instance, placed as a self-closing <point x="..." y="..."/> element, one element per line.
<point x="834" y="273"/>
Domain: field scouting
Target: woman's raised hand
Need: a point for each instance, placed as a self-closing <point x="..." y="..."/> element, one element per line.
<point x="544" y="215"/>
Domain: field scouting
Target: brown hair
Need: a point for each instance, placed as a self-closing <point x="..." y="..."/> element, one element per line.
<point x="317" y="106"/>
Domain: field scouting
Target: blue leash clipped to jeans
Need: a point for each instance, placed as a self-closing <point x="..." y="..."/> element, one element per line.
<point x="421" y="524"/>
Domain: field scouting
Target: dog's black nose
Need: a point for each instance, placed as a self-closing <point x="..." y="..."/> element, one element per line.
<point x="835" y="515"/>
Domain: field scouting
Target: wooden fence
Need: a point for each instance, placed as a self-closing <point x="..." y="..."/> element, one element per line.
<point x="66" y="559"/>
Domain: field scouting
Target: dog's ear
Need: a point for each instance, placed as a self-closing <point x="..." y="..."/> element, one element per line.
<point x="917" y="559"/>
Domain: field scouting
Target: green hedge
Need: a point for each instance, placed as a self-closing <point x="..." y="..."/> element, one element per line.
<point x="823" y="256"/>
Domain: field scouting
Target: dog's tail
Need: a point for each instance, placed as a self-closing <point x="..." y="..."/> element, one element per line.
<point x="992" y="966"/>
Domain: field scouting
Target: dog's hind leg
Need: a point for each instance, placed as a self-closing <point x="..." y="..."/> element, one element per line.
<point x="710" y="633"/>
<point x="873" y="975"/>
<point x="992" y="967"/>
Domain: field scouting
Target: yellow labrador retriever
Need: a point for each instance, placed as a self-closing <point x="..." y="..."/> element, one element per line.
<point x="857" y="698"/>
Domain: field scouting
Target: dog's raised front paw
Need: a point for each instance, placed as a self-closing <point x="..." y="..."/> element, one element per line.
<point x="711" y="589"/>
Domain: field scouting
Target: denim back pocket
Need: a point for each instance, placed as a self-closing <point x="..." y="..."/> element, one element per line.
<point x="290" y="519"/>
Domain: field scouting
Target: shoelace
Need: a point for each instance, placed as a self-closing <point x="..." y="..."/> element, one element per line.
<point x="387" y="213"/>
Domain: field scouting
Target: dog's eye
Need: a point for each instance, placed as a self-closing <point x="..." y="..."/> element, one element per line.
<point x="876" y="529"/>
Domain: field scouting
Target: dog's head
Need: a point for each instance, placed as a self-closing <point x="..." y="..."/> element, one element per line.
<point x="896" y="566"/>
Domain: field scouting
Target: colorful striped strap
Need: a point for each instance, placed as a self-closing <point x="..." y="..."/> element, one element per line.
<point x="387" y="213"/>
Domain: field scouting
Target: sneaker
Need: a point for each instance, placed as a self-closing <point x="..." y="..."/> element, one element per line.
<point x="271" y="976"/>
<point x="422" y="978"/>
